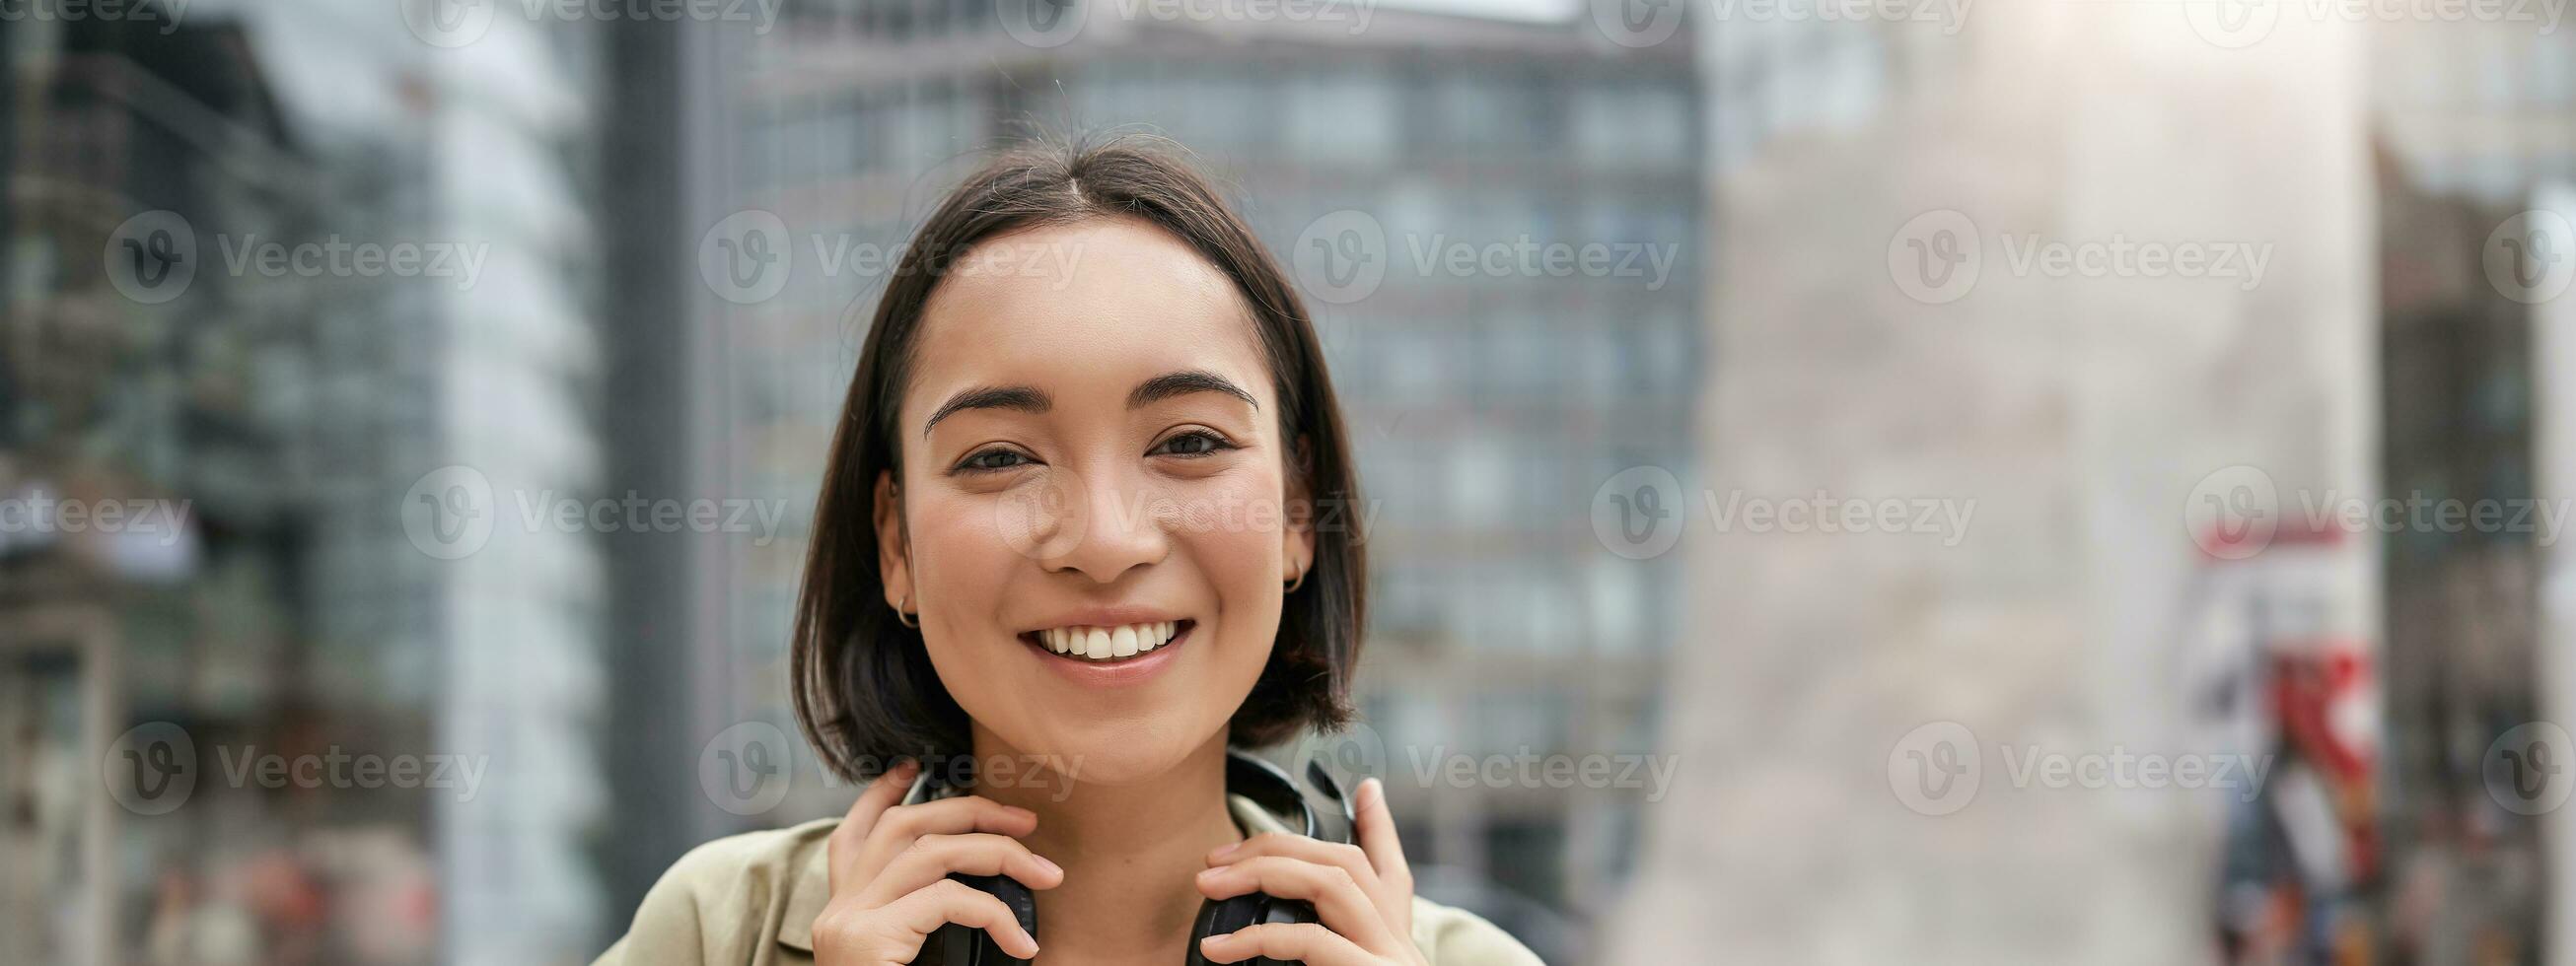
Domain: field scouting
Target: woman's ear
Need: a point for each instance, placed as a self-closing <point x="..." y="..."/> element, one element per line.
<point x="1297" y="536"/>
<point x="894" y="544"/>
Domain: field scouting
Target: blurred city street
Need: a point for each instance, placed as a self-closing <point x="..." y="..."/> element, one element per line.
<point x="1845" y="481"/>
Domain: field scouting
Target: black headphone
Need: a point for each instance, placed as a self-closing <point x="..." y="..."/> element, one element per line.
<point x="1262" y="782"/>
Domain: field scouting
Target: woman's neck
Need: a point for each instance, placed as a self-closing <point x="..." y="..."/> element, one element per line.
<point x="1130" y="852"/>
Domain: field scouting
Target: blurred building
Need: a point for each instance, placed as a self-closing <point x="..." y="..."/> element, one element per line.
<point x="2471" y="126"/>
<point x="1485" y="410"/>
<point x="278" y="412"/>
<point x="1865" y="705"/>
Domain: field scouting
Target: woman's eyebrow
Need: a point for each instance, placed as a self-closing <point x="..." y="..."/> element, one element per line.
<point x="1183" y="383"/>
<point x="1029" y="399"/>
<point x="1026" y="399"/>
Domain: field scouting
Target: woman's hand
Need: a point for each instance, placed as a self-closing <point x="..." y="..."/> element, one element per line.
<point x="890" y="866"/>
<point x="1363" y="893"/>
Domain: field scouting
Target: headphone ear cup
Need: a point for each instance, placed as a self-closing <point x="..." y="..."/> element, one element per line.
<point x="956" y="945"/>
<point x="1221" y="917"/>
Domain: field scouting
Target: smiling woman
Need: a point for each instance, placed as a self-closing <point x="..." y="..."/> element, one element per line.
<point x="1066" y="558"/>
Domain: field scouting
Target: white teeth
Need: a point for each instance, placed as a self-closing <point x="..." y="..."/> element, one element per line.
<point x="1108" y="643"/>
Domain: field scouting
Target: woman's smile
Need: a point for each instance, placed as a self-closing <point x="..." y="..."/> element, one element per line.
<point x="1110" y="647"/>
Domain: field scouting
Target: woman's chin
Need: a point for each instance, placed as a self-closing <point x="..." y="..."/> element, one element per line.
<point x="1112" y="756"/>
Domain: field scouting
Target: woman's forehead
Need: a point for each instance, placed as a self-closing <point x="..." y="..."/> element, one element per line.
<point x="1103" y="297"/>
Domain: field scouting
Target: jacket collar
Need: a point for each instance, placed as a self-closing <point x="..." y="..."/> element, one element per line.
<point x="811" y="886"/>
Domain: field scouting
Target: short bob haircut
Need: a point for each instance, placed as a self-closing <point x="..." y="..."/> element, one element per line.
<point x="864" y="689"/>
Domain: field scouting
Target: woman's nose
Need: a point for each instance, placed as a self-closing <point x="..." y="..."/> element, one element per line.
<point x="1098" y="523"/>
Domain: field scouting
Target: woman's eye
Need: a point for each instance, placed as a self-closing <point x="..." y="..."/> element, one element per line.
<point x="990" y="460"/>
<point x="1193" y="443"/>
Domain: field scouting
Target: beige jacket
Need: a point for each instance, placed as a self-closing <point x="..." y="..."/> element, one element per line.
<point x="750" y="900"/>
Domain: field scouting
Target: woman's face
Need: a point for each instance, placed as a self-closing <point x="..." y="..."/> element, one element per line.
<point x="1090" y="515"/>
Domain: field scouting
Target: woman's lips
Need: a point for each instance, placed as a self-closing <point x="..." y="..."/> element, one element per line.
<point x="1109" y="644"/>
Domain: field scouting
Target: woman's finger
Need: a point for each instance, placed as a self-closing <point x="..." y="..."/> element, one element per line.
<point x="1303" y="942"/>
<point x="948" y="900"/>
<point x="1378" y="839"/>
<point x="953" y="816"/>
<point x="1347" y="858"/>
<point x="1338" y="899"/>
<point x="932" y="857"/>
<point x="848" y="840"/>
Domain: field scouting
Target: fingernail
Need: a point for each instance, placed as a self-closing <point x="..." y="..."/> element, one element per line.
<point x="1049" y="866"/>
<point x="1224" y="851"/>
<point x="1211" y="873"/>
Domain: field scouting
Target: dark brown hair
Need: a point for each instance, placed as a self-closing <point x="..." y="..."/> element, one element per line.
<point x="865" y="692"/>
